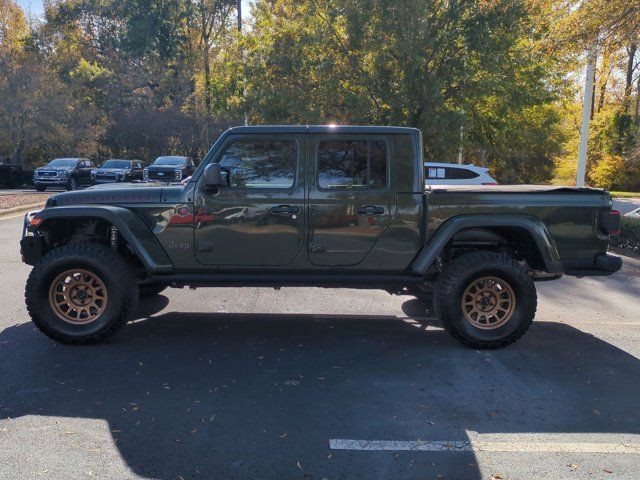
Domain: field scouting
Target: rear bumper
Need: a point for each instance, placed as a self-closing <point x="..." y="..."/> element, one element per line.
<point x="603" y="264"/>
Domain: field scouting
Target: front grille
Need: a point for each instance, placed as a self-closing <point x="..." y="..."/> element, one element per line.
<point x="47" y="174"/>
<point x="161" y="175"/>
<point x="103" y="176"/>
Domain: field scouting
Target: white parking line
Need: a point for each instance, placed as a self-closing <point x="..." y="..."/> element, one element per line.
<point x="484" y="446"/>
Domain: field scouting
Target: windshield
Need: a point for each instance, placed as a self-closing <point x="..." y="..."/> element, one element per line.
<point x="169" y="161"/>
<point x="63" y="162"/>
<point x="116" y="164"/>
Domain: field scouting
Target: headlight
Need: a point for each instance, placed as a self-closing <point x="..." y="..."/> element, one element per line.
<point x="62" y="173"/>
<point x="93" y="172"/>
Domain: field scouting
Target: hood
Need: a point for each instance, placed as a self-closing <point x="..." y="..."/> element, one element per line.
<point x="45" y="168"/>
<point x="112" y="170"/>
<point x="165" y="167"/>
<point x="112" y="194"/>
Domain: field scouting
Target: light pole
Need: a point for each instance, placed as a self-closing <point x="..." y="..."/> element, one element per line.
<point x="586" y="115"/>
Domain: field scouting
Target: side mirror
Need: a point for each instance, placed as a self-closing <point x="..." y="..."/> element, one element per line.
<point x="215" y="176"/>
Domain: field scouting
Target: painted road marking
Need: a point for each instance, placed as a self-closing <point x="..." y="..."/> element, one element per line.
<point x="483" y="446"/>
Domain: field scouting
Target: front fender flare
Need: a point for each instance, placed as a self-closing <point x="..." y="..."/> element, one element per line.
<point x="449" y="228"/>
<point x="142" y="240"/>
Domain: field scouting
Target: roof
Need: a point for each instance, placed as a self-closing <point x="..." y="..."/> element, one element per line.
<point x="455" y="165"/>
<point x="322" y="129"/>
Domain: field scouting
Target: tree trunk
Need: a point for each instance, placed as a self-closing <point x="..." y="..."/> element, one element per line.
<point x="605" y="71"/>
<point x="637" y="112"/>
<point x="628" y="85"/>
<point x="207" y="79"/>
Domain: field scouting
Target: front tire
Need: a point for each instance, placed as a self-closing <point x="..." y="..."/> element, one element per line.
<point x="72" y="184"/>
<point x="81" y="294"/>
<point x="40" y="188"/>
<point x="485" y="300"/>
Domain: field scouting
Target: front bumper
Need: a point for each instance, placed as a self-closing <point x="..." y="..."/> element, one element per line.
<point x="50" y="180"/>
<point x="603" y="264"/>
<point x="99" y="180"/>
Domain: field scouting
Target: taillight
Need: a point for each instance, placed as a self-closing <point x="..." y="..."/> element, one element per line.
<point x="610" y="222"/>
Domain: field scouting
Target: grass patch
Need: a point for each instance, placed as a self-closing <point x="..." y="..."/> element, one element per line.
<point x="629" y="239"/>
<point x="625" y="194"/>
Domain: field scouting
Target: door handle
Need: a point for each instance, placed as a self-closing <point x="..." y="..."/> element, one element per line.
<point x="285" y="210"/>
<point x="370" y="210"/>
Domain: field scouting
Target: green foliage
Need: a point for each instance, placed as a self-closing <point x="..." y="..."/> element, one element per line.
<point x="146" y="77"/>
<point x="629" y="238"/>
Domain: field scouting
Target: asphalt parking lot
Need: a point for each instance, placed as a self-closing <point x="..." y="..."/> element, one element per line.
<point x="314" y="383"/>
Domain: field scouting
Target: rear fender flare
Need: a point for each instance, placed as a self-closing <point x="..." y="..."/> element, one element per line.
<point x="538" y="230"/>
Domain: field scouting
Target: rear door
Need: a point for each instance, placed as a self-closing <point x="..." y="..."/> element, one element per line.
<point x="351" y="201"/>
<point x="258" y="220"/>
<point x="84" y="172"/>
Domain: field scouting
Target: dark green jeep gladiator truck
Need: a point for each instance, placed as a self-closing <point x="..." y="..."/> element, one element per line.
<point x="313" y="206"/>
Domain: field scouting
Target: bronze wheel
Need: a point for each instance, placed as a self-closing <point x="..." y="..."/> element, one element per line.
<point x="78" y="296"/>
<point x="488" y="303"/>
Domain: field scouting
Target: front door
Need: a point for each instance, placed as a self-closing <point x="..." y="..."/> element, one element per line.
<point x="258" y="220"/>
<point x="351" y="201"/>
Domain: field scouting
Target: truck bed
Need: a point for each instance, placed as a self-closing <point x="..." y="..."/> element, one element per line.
<point x="511" y="189"/>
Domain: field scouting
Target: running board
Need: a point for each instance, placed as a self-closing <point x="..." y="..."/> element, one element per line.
<point x="285" y="280"/>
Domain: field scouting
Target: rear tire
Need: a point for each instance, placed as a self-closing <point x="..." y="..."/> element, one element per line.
<point x="59" y="308"/>
<point x="485" y="300"/>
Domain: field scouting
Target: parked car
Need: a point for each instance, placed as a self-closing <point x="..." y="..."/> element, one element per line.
<point x="169" y="169"/>
<point x="633" y="213"/>
<point x="116" y="170"/>
<point x="69" y="173"/>
<point x="259" y="212"/>
<point x="456" y="174"/>
<point x="10" y="174"/>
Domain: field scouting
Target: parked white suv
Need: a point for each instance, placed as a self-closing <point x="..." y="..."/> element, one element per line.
<point x="456" y="174"/>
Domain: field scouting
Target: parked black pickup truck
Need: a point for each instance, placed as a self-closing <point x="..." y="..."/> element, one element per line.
<point x="10" y="174"/>
<point x="169" y="169"/>
<point x="339" y="207"/>
<point x="69" y="173"/>
<point x="115" y="170"/>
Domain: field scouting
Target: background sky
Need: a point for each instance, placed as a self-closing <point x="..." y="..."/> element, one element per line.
<point x="31" y="6"/>
<point x="35" y="6"/>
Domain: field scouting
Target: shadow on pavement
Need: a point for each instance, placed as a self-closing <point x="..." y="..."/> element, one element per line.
<point x="251" y="396"/>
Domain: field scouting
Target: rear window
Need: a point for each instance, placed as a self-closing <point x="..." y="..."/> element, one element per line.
<point x="352" y="164"/>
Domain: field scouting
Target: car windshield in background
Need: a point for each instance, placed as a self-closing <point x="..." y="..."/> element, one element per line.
<point x="116" y="164"/>
<point x="62" y="162"/>
<point x="169" y="161"/>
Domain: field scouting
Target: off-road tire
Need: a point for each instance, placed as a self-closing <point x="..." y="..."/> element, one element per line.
<point x="40" y="188"/>
<point x="462" y="272"/>
<point x="151" y="289"/>
<point x="116" y="275"/>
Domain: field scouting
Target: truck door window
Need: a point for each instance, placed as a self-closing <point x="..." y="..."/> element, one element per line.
<point x="261" y="163"/>
<point x="352" y="164"/>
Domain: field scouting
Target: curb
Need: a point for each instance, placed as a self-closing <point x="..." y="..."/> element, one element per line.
<point x="21" y="209"/>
